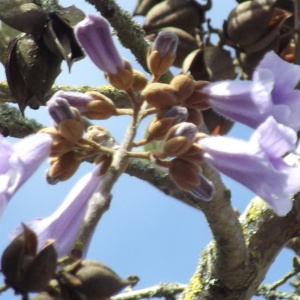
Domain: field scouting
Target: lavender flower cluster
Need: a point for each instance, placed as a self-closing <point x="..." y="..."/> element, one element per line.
<point x="268" y="103"/>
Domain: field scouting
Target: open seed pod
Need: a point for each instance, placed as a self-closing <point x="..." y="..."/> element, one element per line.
<point x="31" y="69"/>
<point x="24" y="269"/>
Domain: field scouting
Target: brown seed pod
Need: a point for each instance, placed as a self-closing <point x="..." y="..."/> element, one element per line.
<point x="23" y="15"/>
<point x="249" y="16"/>
<point x="186" y="15"/>
<point x="98" y="280"/>
<point x="25" y="270"/>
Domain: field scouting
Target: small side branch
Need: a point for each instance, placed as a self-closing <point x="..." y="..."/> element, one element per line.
<point x="166" y="290"/>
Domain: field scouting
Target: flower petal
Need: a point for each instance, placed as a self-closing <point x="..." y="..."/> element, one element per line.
<point x="64" y="223"/>
<point x="257" y="164"/>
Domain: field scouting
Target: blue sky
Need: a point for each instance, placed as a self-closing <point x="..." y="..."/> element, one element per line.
<point x="144" y="232"/>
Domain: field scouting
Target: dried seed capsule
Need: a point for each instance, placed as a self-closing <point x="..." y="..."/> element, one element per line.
<point x="25" y="270"/>
<point x="23" y="15"/>
<point x="30" y="70"/>
<point x="98" y="280"/>
<point x="186" y="15"/>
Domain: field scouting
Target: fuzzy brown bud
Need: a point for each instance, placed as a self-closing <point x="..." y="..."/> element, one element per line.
<point x="59" y="145"/>
<point x="185" y="174"/>
<point x="179" y="139"/>
<point x="62" y="167"/>
<point x="184" y="86"/>
<point x="99" y="109"/>
<point x="139" y="81"/>
<point x="162" y="53"/>
<point x="123" y="79"/>
<point x="195" y="117"/>
<point x="159" y="95"/>
<point x="164" y="120"/>
<point x="197" y="100"/>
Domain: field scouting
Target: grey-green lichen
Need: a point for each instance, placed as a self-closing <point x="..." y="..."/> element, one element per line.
<point x="12" y="123"/>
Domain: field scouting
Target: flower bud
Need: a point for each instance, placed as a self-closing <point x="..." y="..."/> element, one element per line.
<point x="94" y="35"/>
<point x="159" y="95"/>
<point x="197" y="100"/>
<point x="139" y="81"/>
<point x="66" y="118"/>
<point x="194" y="154"/>
<point x="185" y="174"/>
<point x="162" y="53"/>
<point x="184" y="86"/>
<point x="179" y="139"/>
<point x="195" y="117"/>
<point x="163" y="121"/>
<point x="123" y="79"/>
<point x="62" y="167"/>
<point x="59" y="145"/>
<point x="188" y="177"/>
<point x="100" y="108"/>
<point x="101" y="136"/>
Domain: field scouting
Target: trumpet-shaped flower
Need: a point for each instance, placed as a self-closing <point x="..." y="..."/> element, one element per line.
<point x="94" y="35"/>
<point x="64" y="223"/>
<point x="258" y="164"/>
<point x="19" y="161"/>
<point x="270" y="93"/>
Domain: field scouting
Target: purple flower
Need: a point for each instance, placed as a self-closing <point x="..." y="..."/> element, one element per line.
<point x="165" y="43"/>
<point x="258" y="164"/>
<point x="270" y="93"/>
<point x="19" y="161"/>
<point x="94" y="35"/>
<point x="59" y="109"/>
<point x="64" y="223"/>
<point x="75" y="99"/>
<point x="205" y="190"/>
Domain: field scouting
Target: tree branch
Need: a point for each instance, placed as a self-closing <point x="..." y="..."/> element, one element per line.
<point x="230" y="254"/>
<point x="12" y="123"/>
<point x="166" y="290"/>
<point x="265" y="234"/>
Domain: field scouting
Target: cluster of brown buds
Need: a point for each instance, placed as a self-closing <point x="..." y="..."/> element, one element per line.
<point x="69" y="147"/>
<point x="27" y="269"/>
<point x="177" y="107"/>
